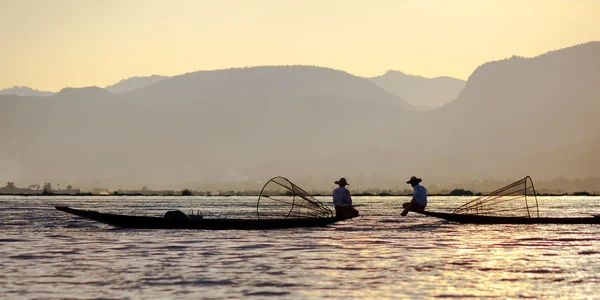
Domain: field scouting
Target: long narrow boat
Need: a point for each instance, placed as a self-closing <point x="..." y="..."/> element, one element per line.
<point x="477" y="219"/>
<point x="281" y="204"/>
<point x="515" y="203"/>
<point x="146" y="222"/>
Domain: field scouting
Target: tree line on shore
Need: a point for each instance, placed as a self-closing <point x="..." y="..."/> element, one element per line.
<point x="229" y="193"/>
<point x="558" y="186"/>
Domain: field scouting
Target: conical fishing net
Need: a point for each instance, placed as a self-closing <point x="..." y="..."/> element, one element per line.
<point x="517" y="199"/>
<point x="281" y="199"/>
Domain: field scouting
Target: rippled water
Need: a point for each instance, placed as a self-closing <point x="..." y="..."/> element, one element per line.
<point x="45" y="253"/>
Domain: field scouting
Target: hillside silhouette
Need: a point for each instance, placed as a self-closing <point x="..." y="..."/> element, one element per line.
<point x="25" y="92"/>
<point x="425" y="93"/>
<point x="134" y="83"/>
<point x="527" y="106"/>
<point x="311" y="124"/>
<point x="511" y="110"/>
<point x="197" y="126"/>
<point x="266" y="85"/>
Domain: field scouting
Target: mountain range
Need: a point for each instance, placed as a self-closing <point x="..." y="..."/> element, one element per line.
<point x="422" y="93"/>
<point x="512" y="118"/>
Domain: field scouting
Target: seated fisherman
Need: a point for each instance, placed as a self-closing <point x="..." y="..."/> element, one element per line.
<point x="342" y="201"/>
<point x="419" y="199"/>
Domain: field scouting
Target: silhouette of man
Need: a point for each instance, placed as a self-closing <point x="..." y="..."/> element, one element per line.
<point x="342" y="201"/>
<point x="419" y="199"/>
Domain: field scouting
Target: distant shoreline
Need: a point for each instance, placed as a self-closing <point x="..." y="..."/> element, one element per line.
<point x="253" y="195"/>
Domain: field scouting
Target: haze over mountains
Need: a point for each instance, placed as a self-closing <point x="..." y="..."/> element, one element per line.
<point x="424" y="93"/>
<point x="519" y="116"/>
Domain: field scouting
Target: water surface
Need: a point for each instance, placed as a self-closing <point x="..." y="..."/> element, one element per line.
<point x="45" y="253"/>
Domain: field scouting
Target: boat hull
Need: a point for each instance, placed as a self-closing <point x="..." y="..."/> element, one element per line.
<point x="145" y="222"/>
<point x="475" y="219"/>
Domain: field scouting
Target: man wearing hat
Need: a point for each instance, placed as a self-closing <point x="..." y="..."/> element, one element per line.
<point x="419" y="199"/>
<point x="342" y="201"/>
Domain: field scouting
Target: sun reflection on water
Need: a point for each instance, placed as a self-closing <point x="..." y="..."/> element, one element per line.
<point x="379" y="255"/>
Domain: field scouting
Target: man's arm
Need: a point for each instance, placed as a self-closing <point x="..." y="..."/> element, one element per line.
<point x="348" y="198"/>
<point x="333" y="197"/>
<point x="415" y="196"/>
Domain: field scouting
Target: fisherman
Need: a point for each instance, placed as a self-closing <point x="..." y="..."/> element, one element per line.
<point x="419" y="199"/>
<point x="342" y="201"/>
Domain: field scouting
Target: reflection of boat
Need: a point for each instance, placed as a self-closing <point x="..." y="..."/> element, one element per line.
<point x="476" y="219"/>
<point x="515" y="203"/>
<point x="126" y="221"/>
<point x="280" y="205"/>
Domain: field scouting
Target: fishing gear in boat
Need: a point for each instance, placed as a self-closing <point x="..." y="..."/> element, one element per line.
<point x="515" y="203"/>
<point x="517" y="199"/>
<point x="282" y="199"/>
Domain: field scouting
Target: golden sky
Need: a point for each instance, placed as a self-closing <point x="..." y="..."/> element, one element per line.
<point x="51" y="44"/>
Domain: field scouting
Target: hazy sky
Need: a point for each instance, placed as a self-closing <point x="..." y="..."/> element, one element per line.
<point x="49" y="45"/>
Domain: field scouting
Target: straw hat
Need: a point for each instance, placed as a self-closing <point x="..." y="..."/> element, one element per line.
<point x="342" y="181"/>
<point x="414" y="179"/>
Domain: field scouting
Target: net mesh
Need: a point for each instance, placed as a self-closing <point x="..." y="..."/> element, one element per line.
<point x="282" y="199"/>
<point x="517" y="199"/>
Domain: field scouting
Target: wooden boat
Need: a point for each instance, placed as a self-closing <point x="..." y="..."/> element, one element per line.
<point x="477" y="219"/>
<point x="146" y="222"/>
<point x="281" y="204"/>
<point x="515" y="203"/>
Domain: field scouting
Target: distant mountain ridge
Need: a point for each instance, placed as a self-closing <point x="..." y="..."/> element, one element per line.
<point x="25" y="92"/>
<point x="134" y="83"/>
<point x="123" y="86"/>
<point x="553" y="97"/>
<point x="525" y="110"/>
<point x="249" y="124"/>
<point x="520" y="107"/>
<point x="269" y="82"/>
<point x="419" y="91"/>
<point x="205" y="125"/>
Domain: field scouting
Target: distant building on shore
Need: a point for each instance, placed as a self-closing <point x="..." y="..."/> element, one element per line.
<point x="11" y="189"/>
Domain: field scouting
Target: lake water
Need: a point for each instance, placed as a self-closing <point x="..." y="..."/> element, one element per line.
<point x="48" y="254"/>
